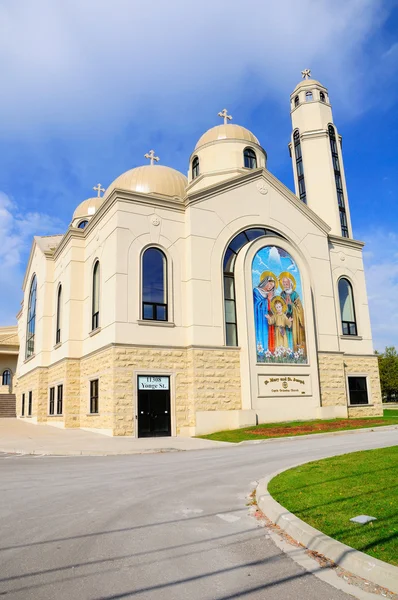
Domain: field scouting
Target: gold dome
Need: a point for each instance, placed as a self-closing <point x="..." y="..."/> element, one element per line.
<point x="151" y="179"/>
<point x="87" y="208"/>
<point x="227" y="132"/>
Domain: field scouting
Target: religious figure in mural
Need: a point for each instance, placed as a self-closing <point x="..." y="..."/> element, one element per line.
<point x="294" y="310"/>
<point x="282" y="322"/>
<point x="278" y="315"/>
<point x="262" y="298"/>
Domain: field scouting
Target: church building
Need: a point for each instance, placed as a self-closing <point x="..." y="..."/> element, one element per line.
<point x="179" y="305"/>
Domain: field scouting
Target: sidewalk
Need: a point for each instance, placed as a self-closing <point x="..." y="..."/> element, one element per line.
<point x="22" y="437"/>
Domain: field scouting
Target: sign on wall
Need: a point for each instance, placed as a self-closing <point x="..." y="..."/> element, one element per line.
<point x="153" y="382"/>
<point x="270" y="386"/>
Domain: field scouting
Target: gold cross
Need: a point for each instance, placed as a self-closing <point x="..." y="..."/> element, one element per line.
<point x="151" y="156"/>
<point x="224" y="115"/>
<point x="306" y="74"/>
<point x="98" y="189"/>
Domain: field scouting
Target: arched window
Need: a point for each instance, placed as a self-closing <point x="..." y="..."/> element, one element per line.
<point x="58" y="316"/>
<point x="322" y="97"/>
<point x="296" y="101"/>
<point x="31" y="321"/>
<point x="82" y="224"/>
<point x="250" y="158"/>
<point x="299" y="166"/>
<point x="195" y="167"/>
<point x="338" y="181"/>
<point x="6" y="379"/>
<point x="347" y="310"/>
<point x="308" y="96"/>
<point x="154" y="285"/>
<point x="231" y="253"/>
<point x="96" y="296"/>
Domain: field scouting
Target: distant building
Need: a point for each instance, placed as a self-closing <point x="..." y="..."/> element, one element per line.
<point x="9" y="347"/>
<point x="177" y="305"/>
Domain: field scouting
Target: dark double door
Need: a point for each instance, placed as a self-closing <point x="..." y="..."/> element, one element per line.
<point x="154" y="419"/>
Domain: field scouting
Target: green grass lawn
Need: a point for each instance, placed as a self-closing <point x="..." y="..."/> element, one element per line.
<point x="289" y="428"/>
<point x="328" y="493"/>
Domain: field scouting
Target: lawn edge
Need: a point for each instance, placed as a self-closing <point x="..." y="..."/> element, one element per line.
<point x="358" y="563"/>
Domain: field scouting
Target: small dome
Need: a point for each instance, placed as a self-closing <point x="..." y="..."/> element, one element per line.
<point x="307" y="83"/>
<point x="151" y="179"/>
<point x="227" y="132"/>
<point x="87" y="208"/>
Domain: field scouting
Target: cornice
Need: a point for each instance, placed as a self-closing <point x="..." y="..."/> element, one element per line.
<point x="28" y="266"/>
<point x="316" y="133"/>
<point x="346" y="242"/>
<point x="257" y="174"/>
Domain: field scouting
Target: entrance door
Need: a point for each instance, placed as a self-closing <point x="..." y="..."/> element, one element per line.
<point x="154" y="418"/>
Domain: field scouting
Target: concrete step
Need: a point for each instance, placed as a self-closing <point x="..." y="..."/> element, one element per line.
<point x="8" y="406"/>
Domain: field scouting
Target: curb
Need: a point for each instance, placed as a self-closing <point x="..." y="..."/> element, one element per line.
<point x="306" y="436"/>
<point x="358" y="563"/>
<point x="87" y="453"/>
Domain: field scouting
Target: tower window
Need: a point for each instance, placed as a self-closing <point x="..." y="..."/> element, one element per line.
<point x="347" y="310"/>
<point x="83" y="224"/>
<point x="322" y="97"/>
<point x="338" y="181"/>
<point x="154" y="285"/>
<point x="95" y="307"/>
<point x="296" y="101"/>
<point x="250" y="158"/>
<point x="195" y="167"/>
<point x="299" y="167"/>
<point x="59" y="309"/>
<point x="308" y="96"/>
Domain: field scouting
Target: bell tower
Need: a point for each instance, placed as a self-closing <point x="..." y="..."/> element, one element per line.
<point x="316" y="150"/>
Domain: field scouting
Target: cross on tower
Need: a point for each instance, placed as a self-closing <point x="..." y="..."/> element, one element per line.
<point x="151" y="156"/>
<point x="98" y="189"/>
<point x="224" y="115"/>
<point x="306" y="74"/>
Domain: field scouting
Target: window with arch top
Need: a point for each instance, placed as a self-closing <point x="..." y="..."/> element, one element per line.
<point x="59" y="309"/>
<point x="6" y="379"/>
<point x="296" y="101"/>
<point x="31" y="321"/>
<point x="195" y="167"/>
<point x="250" y="158"/>
<point x="95" y="297"/>
<point x="347" y="308"/>
<point x="82" y="224"/>
<point x="154" y="285"/>
<point x="231" y="253"/>
<point x="308" y="96"/>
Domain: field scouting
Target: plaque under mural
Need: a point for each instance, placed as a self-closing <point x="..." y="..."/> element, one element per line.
<point x="270" y="386"/>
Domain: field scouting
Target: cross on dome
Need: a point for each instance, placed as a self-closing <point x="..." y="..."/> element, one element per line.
<point x="224" y="115"/>
<point x="306" y="74"/>
<point x="99" y="189"/>
<point x="151" y="156"/>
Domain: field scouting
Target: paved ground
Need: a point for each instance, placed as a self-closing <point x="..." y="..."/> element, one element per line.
<point x="171" y="526"/>
<point x="17" y="435"/>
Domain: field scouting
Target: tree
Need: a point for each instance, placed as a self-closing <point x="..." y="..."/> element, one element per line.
<point x="388" y="368"/>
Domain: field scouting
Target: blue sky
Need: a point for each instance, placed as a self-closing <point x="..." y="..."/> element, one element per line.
<point x="89" y="87"/>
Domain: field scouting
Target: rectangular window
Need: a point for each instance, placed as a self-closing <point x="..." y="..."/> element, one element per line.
<point x="58" y="336"/>
<point x="94" y="396"/>
<point x="52" y="401"/>
<point x="30" y="402"/>
<point x="23" y="406"/>
<point x="358" y="390"/>
<point x="60" y="394"/>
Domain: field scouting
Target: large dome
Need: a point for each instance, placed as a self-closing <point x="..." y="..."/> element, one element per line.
<point x="227" y="132"/>
<point x="87" y="208"/>
<point x="151" y="179"/>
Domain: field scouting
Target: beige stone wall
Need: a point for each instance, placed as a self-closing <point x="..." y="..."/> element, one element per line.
<point x="35" y="381"/>
<point x="67" y="373"/>
<point x="333" y="371"/>
<point x="332" y="379"/>
<point x="366" y="365"/>
<point x="99" y="365"/>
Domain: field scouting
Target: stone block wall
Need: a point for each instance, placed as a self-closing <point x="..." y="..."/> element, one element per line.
<point x="36" y="382"/>
<point x="333" y="371"/>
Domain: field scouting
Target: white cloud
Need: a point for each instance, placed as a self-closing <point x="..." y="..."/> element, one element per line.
<point x="69" y="64"/>
<point x="16" y="233"/>
<point x="381" y="268"/>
